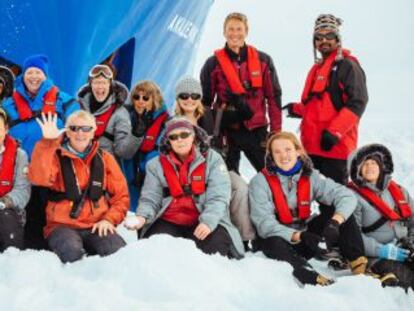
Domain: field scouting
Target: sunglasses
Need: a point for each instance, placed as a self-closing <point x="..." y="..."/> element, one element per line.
<point x="185" y="96"/>
<point x="83" y="128"/>
<point x="182" y="135"/>
<point x="327" y="36"/>
<point x="99" y="70"/>
<point x="145" y="98"/>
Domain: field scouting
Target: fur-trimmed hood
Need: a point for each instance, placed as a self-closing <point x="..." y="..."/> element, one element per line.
<point x="357" y="158"/>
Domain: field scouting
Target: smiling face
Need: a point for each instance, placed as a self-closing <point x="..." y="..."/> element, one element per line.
<point x="189" y="106"/>
<point x="235" y="32"/>
<point x="181" y="141"/>
<point x="142" y="101"/>
<point x="370" y="171"/>
<point x="325" y="45"/>
<point x="33" y="78"/>
<point x="79" y="139"/>
<point x="284" y="153"/>
<point x="101" y="87"/>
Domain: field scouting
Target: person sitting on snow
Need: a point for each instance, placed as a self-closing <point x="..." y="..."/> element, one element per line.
<point x="186" y="192"/>
<point x="280" y="202"/>
<point x="88" y="194"/>
<point x="385" y="214"/>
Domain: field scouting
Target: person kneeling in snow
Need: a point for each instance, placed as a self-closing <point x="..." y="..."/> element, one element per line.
<point x="385" y="213"/>
<point x="88" y="194"/>
<point x="280" y="203"/>
<point x="186" y="192"/>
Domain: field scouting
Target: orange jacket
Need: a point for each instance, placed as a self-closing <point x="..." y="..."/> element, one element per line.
<point x="44" y="170"/>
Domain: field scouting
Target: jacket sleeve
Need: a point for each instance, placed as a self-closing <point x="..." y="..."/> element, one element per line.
<point x="218" y="191"/>
<point x="44" y="166"/>
<point x="117" y="188"/>
<point x="262" y="211"/>
<point x="69" y="104"/>
<point x="20" y="193"/>
<point x="125" y="143"/>
<point x="150" y="201"/>
<point x="328" y="192"/>
<point x="352" y="79"/>
<point x="273" y="94"/>
<point x="207" y="83"/>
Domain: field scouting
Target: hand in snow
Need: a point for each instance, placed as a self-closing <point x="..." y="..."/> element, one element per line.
<point x="134" y="222"/>
<point x="202" y="231"/>
<point x="48" y="125"/>
<point x="103" y="227"/>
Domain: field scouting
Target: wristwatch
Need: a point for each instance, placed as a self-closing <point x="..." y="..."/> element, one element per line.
<point x="2" y="205"/>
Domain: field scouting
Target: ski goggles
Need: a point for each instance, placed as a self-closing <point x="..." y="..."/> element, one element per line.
<point x="101" y="70"/>
<point x="145" y="98"/>
<point x="83" y="128"/>
<point x="185" y="96"/>
<point x="182" y="135"/>
<point x="327" y="36"/>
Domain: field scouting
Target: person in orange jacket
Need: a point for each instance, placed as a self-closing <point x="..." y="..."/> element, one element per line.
<point x="88" y="194"/>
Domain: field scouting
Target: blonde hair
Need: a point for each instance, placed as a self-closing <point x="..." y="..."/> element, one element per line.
<point x="81" y="114"/>
<point x="198" y="113"/>
<point x="288" y="136"/>
<point x="237" y="16"/>
<point x="149" y="88"/>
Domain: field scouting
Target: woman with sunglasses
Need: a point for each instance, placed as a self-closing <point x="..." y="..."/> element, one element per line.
<point x="105" y="98"/>
<point x="280" y="199"/>
<point x="188" y="104"/>
<point x="148" y="115"/>
<point x="35" y="93"/>
<point x="186" y="193"/>
<point x="385" y="213"/>
<point x="88" y="194"/>
<point x="14" y="189"/>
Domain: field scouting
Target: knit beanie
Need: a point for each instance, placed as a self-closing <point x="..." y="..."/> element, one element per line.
<point x="188" y="85"/>
<point x="332" y="23"/>
<point x="178" y="123"/>
<point x="39" y="61"/>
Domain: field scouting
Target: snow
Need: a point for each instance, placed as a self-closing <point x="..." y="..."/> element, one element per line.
<point x="163" y="273"/>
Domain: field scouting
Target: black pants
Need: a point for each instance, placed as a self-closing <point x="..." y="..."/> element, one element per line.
<point x="350" y="241"/>
<point x="36" y="219"/>
<point x="403" y="271"/>
<point x="218" y="241"/>
<point x="251" y="143"/>
<point x="71" y="244"/>
<point x="296" y="255"/>
<point x="11" y="230"/>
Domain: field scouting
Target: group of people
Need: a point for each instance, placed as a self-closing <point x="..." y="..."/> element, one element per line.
<point x="71" y="168"/>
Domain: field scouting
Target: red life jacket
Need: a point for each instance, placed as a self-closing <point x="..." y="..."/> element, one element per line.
<point x="152" y="133"/>
<point x="23" y="108"/>
<point x="197" y="184"/>
<point x="233" y="79"/>
<point x="102" y="121"/>
<point x="385" y="210"/>
<point x="279" y="199"/>
<point x="7" y="166"/>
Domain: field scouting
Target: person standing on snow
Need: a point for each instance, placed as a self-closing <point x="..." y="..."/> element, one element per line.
<point x="385" y="213"/>
<point x="105" y="98"/>
<point x="186" y="193"/>
<point x="333" y="101"/>
<point x="14" y="189"/>
<point x="240" y="84"/>
<point x="88" y="195"/>
<point x="35" y="93"/>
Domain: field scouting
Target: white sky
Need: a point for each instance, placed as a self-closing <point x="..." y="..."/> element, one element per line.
<point x="380" y="33"/>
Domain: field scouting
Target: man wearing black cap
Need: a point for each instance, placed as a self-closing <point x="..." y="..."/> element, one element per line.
<point x="333" y="100"/>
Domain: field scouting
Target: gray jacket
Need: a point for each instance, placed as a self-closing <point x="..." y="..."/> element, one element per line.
<point x="213" y="204"/>
<point x="323" y="190"/>
<point x="19" y="196"/>
<point x="366" y="214"/>
<point x="124" y="144"/>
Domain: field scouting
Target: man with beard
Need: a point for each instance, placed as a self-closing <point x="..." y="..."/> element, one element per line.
<point x="332" y="103"/>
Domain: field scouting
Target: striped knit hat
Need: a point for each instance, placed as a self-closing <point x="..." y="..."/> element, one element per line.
<point x="332" y="23"/>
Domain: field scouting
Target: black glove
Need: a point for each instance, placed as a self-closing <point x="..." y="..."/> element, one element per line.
<point x="143" y="121"/>
<point x="239" y="102"/>
<point x="311" y="241"/>
<point x="408" y="244"/>
<point x="331" y="233"/>
<point x="290" y="112"/>
<point x="328" y="140"/>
